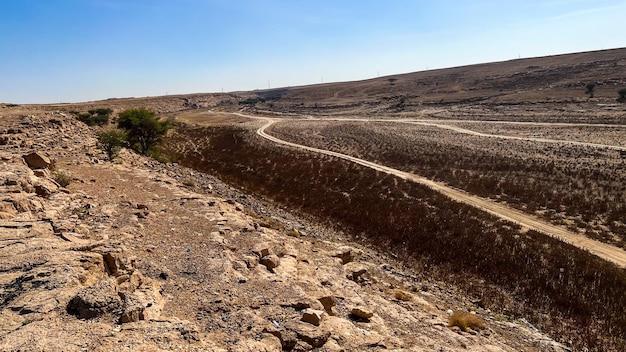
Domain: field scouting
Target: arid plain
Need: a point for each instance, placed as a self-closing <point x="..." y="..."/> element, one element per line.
<point x="503" y="183"/>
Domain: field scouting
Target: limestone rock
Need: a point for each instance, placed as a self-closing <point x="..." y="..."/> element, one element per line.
<point x="315" y="337"/>
<point x="261" y="249"/>
<point x="361" y="312"/>
<point x="95" y="301"/>
<point x="45" y="187"/>
<point x="328" y="302"/>
<point x="36" y="160"/>
<point x="345" y="254"/>
<point x="270" y="261"/>
<point x="312" y="316"/>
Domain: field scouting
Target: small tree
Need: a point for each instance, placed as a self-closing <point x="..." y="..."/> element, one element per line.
<point x="143" y="128"/>
<point x="590" y="87"/>
<point x="111" y="142"/>
<point x="622" y="95"/>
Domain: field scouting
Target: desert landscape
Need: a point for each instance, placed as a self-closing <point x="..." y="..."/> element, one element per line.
<point x="473" y="208"/>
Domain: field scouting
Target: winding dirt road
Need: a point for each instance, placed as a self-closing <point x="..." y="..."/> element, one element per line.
<point x="602" y="250"/>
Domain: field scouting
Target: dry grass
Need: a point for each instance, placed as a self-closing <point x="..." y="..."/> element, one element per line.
<point x="62" y="178"/>
<point x="465" y="320"/>
<point x="402" y="296"/>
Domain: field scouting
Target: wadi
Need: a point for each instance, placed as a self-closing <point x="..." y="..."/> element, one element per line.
<point x="476" y="208"/>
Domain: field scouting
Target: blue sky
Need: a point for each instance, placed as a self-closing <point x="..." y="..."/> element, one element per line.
<point x="79" y="50"/>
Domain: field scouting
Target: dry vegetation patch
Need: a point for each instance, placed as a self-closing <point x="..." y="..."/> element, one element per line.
<point x="466" y="321"/>
<point x="581" y="187"/>
<point x="557" y="286"/>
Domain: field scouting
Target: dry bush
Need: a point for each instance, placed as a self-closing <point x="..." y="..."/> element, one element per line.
<point x="466" y="320"/>
<point x="62" y="178"/>
<point x="401" y="295"/>
<point x="270" y="223"/>
<point x="293" y="233"/>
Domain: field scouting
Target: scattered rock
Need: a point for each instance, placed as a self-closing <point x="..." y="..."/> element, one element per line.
<point x="355" y="272"/>
<point x="95" y="301"/>
<point x="270" y="261"/>
<point x="401" y="295"/>
<point x="328" y="302"/>
<point x="345" y="254"/>
<point x="261" y="249"/>
<point x="312" y="316"/>
<point x="361" y="313"/>
<point x="314" y="336"/>
<point x="288" y="338"/>
<point x="36" y="160"/>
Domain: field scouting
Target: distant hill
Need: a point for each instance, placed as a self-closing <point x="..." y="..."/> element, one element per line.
<point x="559" y="78"/>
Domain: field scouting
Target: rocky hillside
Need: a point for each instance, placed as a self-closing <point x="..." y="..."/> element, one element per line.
<point x="141" y="256"/>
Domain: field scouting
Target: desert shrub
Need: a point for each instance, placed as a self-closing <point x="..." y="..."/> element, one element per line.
<point x="251" y="101"/>
<point x="143" y="128"/>
<point x="111" y="142"/>
<point x="590" y="87"/>
<point x="99" y="117"/>
<point x="401" y="295"/>
<point x="62" y="178"/>
<point x="293" y="233"/>
<point x="465" y="320"/>
<point x="622" y="95"/>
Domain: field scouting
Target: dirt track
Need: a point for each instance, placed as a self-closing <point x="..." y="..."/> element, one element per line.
<point x="438" y="124"/>
<point x="602" y="250"/>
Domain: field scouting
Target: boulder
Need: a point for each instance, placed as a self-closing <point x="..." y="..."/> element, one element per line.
<point x="315" y="337"/>
<point x="36" y="160"/>
<point x="45" y="188"/>
<point x="328" y="302"/>
<point x="133" y="310"/>
<point x="95" y="301"/>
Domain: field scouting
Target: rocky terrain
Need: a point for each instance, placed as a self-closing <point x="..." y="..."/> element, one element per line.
<point x="141" y="256"/>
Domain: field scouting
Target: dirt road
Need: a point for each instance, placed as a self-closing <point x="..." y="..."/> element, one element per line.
<point x="602" y="250"/>
<point x="438" y="124"/>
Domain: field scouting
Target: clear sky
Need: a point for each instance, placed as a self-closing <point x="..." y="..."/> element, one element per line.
<point x="78" y="50"/>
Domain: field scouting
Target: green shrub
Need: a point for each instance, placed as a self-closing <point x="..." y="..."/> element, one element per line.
<point x="99" y="117"/>
<point x="590" y="87"/>
<point x="143" y="128"/>
<point x="111" y="142"/>
<point x="622" y="95"/>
